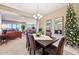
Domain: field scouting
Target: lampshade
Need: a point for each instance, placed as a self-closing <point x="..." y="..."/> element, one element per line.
<point x="37" y="16"/>
<point x="3" y="26"/>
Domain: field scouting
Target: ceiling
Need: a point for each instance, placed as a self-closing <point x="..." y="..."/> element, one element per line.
<point x="32" y="8"/>
<point x="15" y="17"/>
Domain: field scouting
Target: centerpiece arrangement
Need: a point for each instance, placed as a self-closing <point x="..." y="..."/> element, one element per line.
<point x="39" y="33"/>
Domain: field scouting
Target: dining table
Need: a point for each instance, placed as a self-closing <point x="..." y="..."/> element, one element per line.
<point x="44" y="41"/>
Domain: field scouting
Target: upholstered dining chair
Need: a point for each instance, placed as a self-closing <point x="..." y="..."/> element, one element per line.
<point x="27" y="41"/>
<point x="49" y="33"/>
<point x="56" y="50"/>
<point x="3" y="39"/>
<point x="34" y="46"/>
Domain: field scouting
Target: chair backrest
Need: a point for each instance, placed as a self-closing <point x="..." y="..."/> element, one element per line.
<point x="27" y="40"/>
<point x="61" y="46"/>
<point x="32" y="41"/>
<point x="49" y="33"/>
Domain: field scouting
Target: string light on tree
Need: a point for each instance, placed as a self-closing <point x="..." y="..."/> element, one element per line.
<point x="71" y="27"/>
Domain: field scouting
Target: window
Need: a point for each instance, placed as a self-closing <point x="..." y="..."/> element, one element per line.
<point x="9" y="26"/>
<point x="19" y="27"/>
<point x="14" y="26"/>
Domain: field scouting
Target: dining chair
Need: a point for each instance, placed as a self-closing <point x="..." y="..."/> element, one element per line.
<point x="27" y="41"/>
<point x="48" y="33"/>
<point x="3" y="39"/>
<point x="56" y="50"/>
<point x="34" y="45"/>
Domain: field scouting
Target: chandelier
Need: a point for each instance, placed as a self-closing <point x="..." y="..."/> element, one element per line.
<point x="37" y="15"/>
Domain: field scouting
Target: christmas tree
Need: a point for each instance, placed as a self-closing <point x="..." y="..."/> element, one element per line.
<point x="71" y="28"/>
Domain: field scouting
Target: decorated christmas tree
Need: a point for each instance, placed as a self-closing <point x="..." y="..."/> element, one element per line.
<point x="71" y="27"/>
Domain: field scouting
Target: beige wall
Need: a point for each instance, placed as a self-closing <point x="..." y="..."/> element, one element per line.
<point x="57" y="13"/>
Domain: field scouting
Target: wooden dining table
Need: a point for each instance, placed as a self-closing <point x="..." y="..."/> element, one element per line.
<point x="44" y="41"/>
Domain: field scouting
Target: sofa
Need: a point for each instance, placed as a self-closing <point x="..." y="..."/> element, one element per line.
<point x="13" y="35"/>
<point x="6" y="30"/>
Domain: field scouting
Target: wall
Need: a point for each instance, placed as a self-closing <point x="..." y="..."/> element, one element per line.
<point x="0" y="23"/>
<point x="53" y="15"/>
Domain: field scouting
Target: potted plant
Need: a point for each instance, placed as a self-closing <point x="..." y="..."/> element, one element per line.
<point x="23" y="27"/>
<point x="39" y="32"/>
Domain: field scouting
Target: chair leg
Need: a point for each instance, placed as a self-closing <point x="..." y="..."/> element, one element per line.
<point x="6" y="41"/>
<point x="0" y="42"/>
<point x="30" y="51"/>
<point x="28" y="48"/>
<point x="34" y="52"/>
